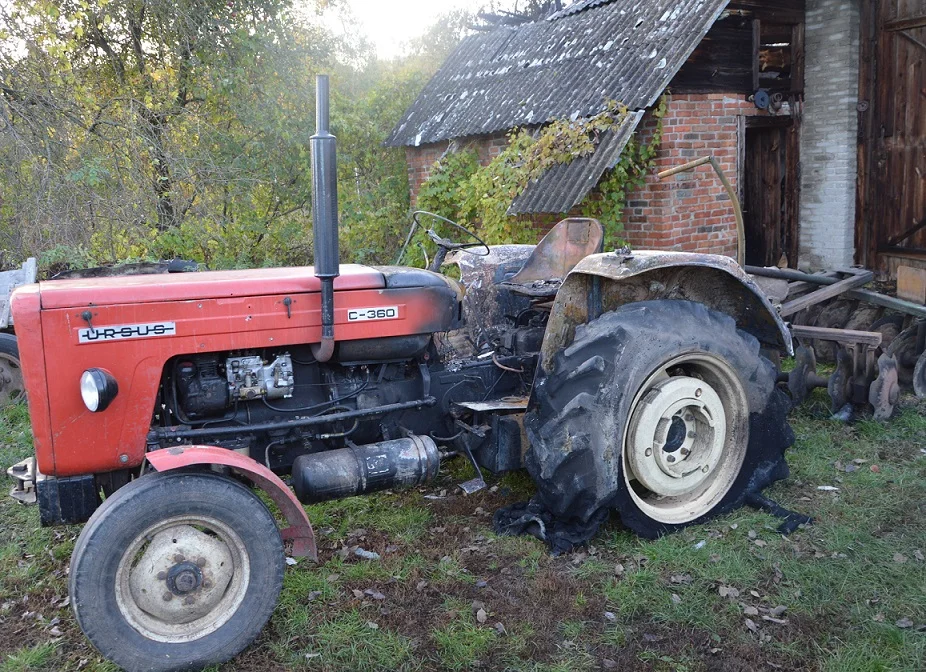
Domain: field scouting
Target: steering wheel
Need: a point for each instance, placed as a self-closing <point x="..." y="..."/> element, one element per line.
<point x="446" y="242"/>
<point x="444" y="245"/>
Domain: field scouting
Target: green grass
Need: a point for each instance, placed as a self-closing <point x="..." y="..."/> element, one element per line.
<point x="838" y="579"/>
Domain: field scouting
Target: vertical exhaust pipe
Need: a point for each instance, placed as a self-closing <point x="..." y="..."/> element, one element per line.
<point x="325" y="215"/>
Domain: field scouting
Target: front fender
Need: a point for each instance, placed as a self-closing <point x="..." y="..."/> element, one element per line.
<point x="604" y="282"/>
<point x="300" y="529"/>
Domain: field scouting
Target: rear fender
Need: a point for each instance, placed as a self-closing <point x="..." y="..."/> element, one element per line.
<point x="299" y="530"/>
<point x="604" y="282"/>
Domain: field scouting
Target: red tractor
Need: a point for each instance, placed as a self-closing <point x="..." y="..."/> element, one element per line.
<point x="632" y="382"/>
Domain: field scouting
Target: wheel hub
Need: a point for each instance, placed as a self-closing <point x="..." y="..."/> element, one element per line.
<point x="677" y="433"/>
<point x="182" y="575"/>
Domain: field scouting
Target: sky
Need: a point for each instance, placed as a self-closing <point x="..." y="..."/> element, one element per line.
<point x="390" y="23"/>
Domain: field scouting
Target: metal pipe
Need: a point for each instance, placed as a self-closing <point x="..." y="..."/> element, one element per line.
<point x="325" y="215"/>
<point x="357" y="470"/>
<point x="866" y="295"/>
<point x="734" y="199"/>
<point x="168" y="433"/>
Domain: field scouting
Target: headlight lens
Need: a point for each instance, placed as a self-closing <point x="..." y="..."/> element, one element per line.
<point x="97" y="388"/>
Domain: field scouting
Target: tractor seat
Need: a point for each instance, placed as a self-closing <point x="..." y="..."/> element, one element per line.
<point x="567" y="243"/>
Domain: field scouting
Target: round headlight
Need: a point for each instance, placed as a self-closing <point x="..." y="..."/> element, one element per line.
<point x="97" y="388"/>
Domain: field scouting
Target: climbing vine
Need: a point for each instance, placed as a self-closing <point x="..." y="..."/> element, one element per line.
<point x="479" y="196"/>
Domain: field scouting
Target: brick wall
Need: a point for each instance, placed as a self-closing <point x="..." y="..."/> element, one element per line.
<point x="420" y="160"/>
<point x="689" y="212"/>
<point x="828" y="136"/>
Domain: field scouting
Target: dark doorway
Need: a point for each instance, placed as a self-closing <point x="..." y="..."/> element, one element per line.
<point x="770" y="192"/>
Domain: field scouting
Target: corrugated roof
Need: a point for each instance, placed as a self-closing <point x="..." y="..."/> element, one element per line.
<point x="563" y="187"/>
<point x="565" y="67"/>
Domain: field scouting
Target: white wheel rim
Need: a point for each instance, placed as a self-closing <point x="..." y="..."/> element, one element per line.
<point x="182" y="579"/>
<point x="686" y="438"/>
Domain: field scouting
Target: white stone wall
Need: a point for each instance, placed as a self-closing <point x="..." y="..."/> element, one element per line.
<point x="828" y="136"/>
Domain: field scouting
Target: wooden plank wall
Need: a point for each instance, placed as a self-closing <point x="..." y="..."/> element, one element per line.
<point x="891" y="205"/>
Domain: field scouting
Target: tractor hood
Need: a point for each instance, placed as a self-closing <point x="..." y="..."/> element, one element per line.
<point x="195" y="286"/>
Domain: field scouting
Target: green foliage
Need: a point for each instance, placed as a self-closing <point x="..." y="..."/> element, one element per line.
<point x="480" y="196"/>
<point x="608" y="201"/>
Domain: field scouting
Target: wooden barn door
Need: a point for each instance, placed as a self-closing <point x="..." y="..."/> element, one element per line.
<point x="892" y="107"/>
<point x="770" y="188"/>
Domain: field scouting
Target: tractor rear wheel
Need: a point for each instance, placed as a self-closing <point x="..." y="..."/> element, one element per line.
<point x="661" y="410"/>
<point x="177" y="570"/>
<point x="12" y="388"/>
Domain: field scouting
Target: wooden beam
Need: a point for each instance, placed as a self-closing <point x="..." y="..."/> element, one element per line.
<point x="756" y="48"/>
<point x="905" y="24"/>
<point x="826" y="293"/>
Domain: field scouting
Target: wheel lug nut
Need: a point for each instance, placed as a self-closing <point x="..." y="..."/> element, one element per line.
<point x="189" y="600"/>
<point x="686" y="452"/>
<point x="200" y="561"/>
<point x="671" y="458"/>
<point x="179" y="557"/>
<point x="649" y="452"/>
<point x="705" y="469"/>
<point x="162" y="576"/>
<point x="207" y="585"/>
<point x="699" y="392"/>
<point x="168" y="597"/>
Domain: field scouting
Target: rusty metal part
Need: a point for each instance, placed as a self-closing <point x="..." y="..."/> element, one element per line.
<point x="567" y="243"/>
<point x="919" y="377"/>
<point x="883" y="300"/>
<point x="885" y="390"/>
<point x="840" y="383"/>
<point x="300" y="529"/>
<point x="889" y="326"/>
<point x="734" y="199"/>
<point x="855" y="280"/>
<point x="23" y="474"/>
<point x="803" y="377"/>
<point x="605" y="282"/>
<point x="906" y="348"/>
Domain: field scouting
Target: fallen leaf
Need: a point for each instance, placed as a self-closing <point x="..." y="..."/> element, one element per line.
<point x="375" y="594"/>
<point x="751" y="624"/>
<point x="482" y="616"/>
<point x="875" y="469"/>
<point x="828" y="488"/>
<point x="315" y="594"/>
<point x="752" y="534"/>
<point x="778" y="611"/>
<point x="878" y="618"/>
<point x="858" y="461"/>
<point x="918" y="554"/>
<point x="728" y="591"/>
<point x="683" y="579"/>
<point x="755" y="594"/>
<point x="676" y="599"/>
<point x="772" y="619"/>
<point x="56" y="631"/>
<point x="482" y="583"/>
<point x="760" y="543"/>
<point x="372" y="626"/>
<point x="904" y="623"/>
<point x="310" y="656"/>
<point x="500" y="629"/>
<point x="618" y="569"/>
<point x="291" y="561"/>
<point x="421" y="585"/>
<point x="751" y="611"/>
<point x="900" y="558"/>
<point x="850" y="468"/>
<point x="357" y="593"/>
<point x="608" y="664"/>
<point x="609" y="615"/>
<point x="714" y="558"/>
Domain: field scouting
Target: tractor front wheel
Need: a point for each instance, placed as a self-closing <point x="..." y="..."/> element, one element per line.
<point x="661" y="410"/>
<point x="176" y="571"/>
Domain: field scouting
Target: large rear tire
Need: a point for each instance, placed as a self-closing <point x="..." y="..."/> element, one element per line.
<point x="12" y="387"/>
<point x="176" y="571"/>
<point x="661" y="410"/>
